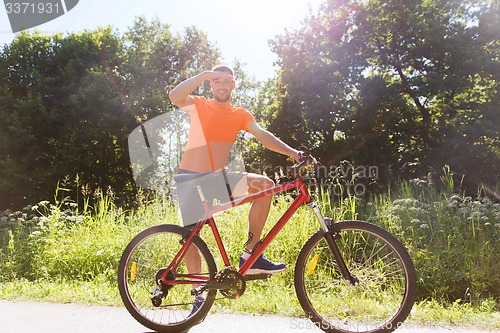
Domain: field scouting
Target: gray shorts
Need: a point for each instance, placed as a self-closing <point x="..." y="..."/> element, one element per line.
<point x="218" y="187"/>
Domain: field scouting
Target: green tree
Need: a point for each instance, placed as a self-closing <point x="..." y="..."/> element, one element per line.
<point x="156" y="60"/>
<point x="413" y="84"/>
<point x="59" y="114"/>
<point x="68" y="104"/>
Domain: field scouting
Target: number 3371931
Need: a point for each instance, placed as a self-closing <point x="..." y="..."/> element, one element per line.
<point x="32" y="8"/>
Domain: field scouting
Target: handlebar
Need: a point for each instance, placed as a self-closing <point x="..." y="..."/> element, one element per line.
<point x="306" y="161"/>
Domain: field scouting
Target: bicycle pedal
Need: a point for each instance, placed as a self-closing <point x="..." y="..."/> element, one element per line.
<point x="262" y="276"/>
<point x="199" y="290"/>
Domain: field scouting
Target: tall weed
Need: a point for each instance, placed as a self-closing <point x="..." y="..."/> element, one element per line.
<point x="452" y="238"/>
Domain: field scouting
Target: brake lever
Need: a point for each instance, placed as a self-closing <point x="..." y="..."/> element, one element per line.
<point x="305" y="153"/>
<point x="306" y="159"/>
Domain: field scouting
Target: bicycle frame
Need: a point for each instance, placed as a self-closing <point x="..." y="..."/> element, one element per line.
<point x="302" y="197"/>
<point x="379" y="262"/>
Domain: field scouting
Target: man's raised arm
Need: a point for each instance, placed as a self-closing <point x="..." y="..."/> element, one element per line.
<point x="181" y="95"/>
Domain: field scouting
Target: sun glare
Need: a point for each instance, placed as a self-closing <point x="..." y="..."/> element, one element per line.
<point x="242" y="29"/>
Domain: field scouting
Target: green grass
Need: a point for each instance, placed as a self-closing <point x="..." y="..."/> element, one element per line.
<point x="96" y="292"/>
<point x="260" y="298"/>
<point x="483" y="315"/>
<point x="62" y="253"/>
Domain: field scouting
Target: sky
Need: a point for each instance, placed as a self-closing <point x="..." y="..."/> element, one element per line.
<point x="240" y="29"/>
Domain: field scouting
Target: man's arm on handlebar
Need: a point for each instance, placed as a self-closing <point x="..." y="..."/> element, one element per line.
<point x="271" y="142"/>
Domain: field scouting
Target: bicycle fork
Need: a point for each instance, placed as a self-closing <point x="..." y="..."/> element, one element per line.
<point x="330" y="234"/>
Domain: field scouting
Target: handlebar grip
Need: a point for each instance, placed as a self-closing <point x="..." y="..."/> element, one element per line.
<point x="306" y="159"/>
<point x="306" y="152"/>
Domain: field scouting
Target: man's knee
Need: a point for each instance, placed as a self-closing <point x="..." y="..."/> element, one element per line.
<point x="268" y="183"/>
<point x="260" y="183"/>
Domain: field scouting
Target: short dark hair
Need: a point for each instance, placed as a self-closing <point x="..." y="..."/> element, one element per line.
<point x="223" y="68"/>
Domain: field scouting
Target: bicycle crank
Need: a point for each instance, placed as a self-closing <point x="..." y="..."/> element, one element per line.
<point x="236" y="280"/>
<point x="230" y="283"/>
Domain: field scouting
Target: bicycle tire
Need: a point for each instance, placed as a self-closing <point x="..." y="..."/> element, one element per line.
<point x="146" y="254"/>
<point x="386" y="288"/>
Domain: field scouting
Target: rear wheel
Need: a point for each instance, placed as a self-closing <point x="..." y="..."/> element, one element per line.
<point x="156" y="305"/>
<point x="386" y="283"/>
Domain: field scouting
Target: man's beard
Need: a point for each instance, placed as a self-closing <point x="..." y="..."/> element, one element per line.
<point x="222" y="98"/>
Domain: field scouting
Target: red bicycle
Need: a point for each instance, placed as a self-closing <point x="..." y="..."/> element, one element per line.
<point x="350" y="276"/>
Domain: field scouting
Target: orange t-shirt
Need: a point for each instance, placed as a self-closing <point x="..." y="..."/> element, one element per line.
<point x="212" y="133"/>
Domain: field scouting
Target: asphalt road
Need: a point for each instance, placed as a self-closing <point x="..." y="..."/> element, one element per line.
<point x="27" y="317"/>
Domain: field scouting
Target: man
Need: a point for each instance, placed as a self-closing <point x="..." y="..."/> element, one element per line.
<point x="213" y="129"/>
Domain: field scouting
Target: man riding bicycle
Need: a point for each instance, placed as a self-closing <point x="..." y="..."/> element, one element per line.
<point x="343" y="260"/>
<point x="214" y="125"/>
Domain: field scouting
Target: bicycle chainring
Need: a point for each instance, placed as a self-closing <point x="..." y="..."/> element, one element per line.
<point x="238" y="284"/>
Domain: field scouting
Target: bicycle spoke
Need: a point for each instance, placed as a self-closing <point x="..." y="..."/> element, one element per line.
<point x="380" y="297"/>
<point x="164" y="306"/>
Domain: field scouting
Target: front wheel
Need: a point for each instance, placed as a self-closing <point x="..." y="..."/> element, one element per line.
<point x="156" y="305"/>
<point x="385" y="287"/>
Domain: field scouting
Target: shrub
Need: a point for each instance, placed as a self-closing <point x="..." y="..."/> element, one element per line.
<point x="453" y="238"/>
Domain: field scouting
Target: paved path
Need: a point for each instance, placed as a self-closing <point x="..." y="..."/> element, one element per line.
<point x="27" y="317"/>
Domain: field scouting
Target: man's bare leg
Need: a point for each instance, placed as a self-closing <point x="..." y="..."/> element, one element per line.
<point x="257" y="219"/>
<point x="260" y="208"/>
<point x="193" y="262"/>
